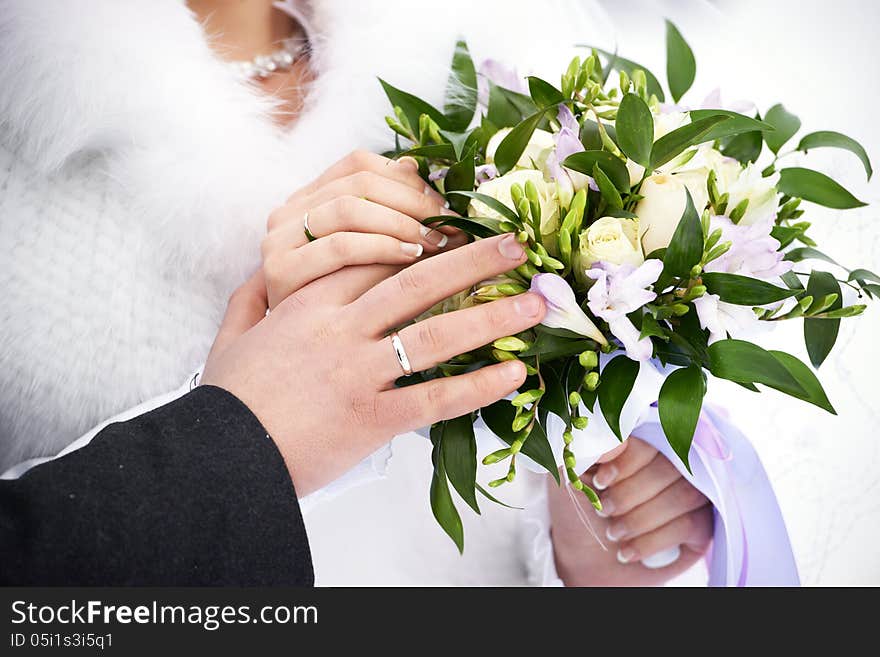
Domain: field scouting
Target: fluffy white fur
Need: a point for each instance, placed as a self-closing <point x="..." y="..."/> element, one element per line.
<point x="136" y="175"/>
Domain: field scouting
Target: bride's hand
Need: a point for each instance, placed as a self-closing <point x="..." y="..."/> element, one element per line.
<point x="319" y="371"/>
<point x="366" y="209"/>
<point x="648" y="508"/>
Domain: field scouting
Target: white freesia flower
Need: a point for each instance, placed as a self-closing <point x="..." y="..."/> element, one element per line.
<point x="760" y="192"/>
<point x="619" y="291"/>
<point x="611" y="240"/>
<point x="563" y="310"/>
<point x="540" y="145"/>
<point x="499" y="189"/>
<point x="663" y="205"/>
<point x="721" y="318"/>
<point x="664" y="123"/>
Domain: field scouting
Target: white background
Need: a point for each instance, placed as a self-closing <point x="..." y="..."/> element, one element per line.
<point x="823" y="60"/>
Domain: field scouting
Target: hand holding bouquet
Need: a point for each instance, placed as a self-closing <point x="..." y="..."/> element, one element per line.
<point x="653" y="234"/>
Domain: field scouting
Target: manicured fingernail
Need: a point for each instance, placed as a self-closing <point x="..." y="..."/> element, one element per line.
<point x="510" y="248"/>
<point x="527" y="305"/>
<point x="607" y="509"/>
<point x="605" y="477"/>
<point x="626" y="555"/>
<point x="408" y="161"/>
<point x="435" y="237"/>
<point x="616" y="531"/>
<point x="412" y="250"/>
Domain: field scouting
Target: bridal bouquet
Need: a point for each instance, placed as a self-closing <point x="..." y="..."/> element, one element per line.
<point x="652" y="233"/>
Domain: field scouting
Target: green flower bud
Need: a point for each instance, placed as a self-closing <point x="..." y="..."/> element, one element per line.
<point x="567" y="437"/>
<point x="640" y="82"/>
<point x="713" y="238"/>
<point x="502" y="356"/>
<point x="590" y="65"/>
<point x="511" y="289"/>
<point x="516" y="194"/>
<point x="527" y="270"/>
<point x="397" y="127"/>
<point x="588" y="359"/>
<point x="591" y="381"/>
<point x="495" y="457"/>
<point x="401" y="118"/>
<point x="721" y="205"/>
<point x="533" y="257"/>
<point x="527" y="397"/>
<point x="680" y="309"/>
<point x="580" y="422"/>
<point x="574" y="399"/>
<point x="594" y="499"/>
<point x="510" y="343"/>
<point x="739" y="211"/>
<point x="534" y="200"/>
<point x="522" y="236"/>
<point x="624" y="82"/>
<point x="573" y="478"/>
<point x="564" y="240"/>
<point x="717" y="252"/>
<point x="531" y="370"/>
<point x="823" y="303"/>
<point x="696" y="291"/>
<point x="495" y="483"/>
<point x="507" y="226"/>
<point x="696" y="270"/>
<point x="570" y="462"/>
<point x="805" y="303"/>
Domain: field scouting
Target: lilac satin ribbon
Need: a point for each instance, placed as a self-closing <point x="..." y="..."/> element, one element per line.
<point x="750" y="545"/>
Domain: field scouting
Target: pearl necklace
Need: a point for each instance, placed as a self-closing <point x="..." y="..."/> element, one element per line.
<point x="262" y="66"/>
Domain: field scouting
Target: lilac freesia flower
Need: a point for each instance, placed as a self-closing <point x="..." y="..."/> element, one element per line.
<point x="618" y="291"/>
<point x="563" y="310"/>
<point x="491" y="70"/>
<point x="714" y="101"/>
<point x="567" y="143"/>
<point x="753" y="252"/>
<point x="721" y="318"/>
<point x="438" y="174"/>
<point x="485" y="172"/>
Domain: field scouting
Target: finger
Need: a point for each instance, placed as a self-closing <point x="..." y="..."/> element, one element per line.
<point x="614" y="453"/>
<point x="405" y="170"/>
<point x="354" y="214"/>
<point x="411" y="407"/>
<point x="390" y="193"/>
<point x="676" y="500"/>
<point x="693" y="530"/>
<point x="289" y="271"/>
<point x="437" y="339"/>
<point x="417" y="288"/>
<point x="346" y="285"/>
<point x="632" y="459"/>
<point x="247" y="306"/>
<point x="644" y="485"/>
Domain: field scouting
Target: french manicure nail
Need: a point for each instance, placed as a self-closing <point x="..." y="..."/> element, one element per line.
<point x="510" y="248"/>
<point x="527" y="305"/>
<point x="626" y="555"/>
<point x="411" y="162"/>
<point x="616" y="531"/>
<point x="607" y="509"/>
<point x="605" y="477"/>
<point x="514" y="370"/>
<point x="434" y="237"/>
<point x="412" y="250"/>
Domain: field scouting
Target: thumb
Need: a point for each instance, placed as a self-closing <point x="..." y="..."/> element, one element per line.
<point x="247" y="307"/>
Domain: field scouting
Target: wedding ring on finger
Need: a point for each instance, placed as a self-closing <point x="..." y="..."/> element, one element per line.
<point x="309" y="236"/>
<point x="400" y="352"/>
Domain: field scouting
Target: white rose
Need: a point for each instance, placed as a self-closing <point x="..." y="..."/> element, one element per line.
<point x="609" y="239"/>
<point x="663" y="124"/>
<point x="499" y="189"/>
<point x="760" y="192"/>
<point x="535" y="154"/>
<point x="664" y="203"/>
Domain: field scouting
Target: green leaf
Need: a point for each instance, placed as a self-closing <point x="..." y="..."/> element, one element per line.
<point x="476" y="226"/>
<point x="744" y="148"/>
<point x="651" y="328"/>
<point x="635" y="129"/>
<point x="412" y="106"/>
<point x="679" y="406"/>
<point x="686" y="248"/>
<point x="506" y="107"/>
<point x="492" y="498"/>
<point x="555" y="397"/>
<point x="458" y="448"/>
<point x="737" y="124"/>
<point x="785" y="235"/>
<point x="809" y="253"/>
<point x="590" y="137"/>
<point x="493" y="203"/>
<point x="611" y="166"/>
<point x="785" y="126"/>
<point x="618" y="63"/>
<point x="551" y="347"/>
<point x="461" y="89"/>
<point x="829" y="139"/>
<point x="744" y="362"/>
<point x="543" y="93"/>
<point x="459" y="141"/>
<point x="744" y="290"/>
<point x="862" y="275"/>
<point x="436" y="151"/>
<point x="616" y="382"/>
<point x="460" y="177"/>
<point x="680" y="139"/>
<point x="499" y="416"/>
<point x="816" y="187"/>
<point x="813" y="392"/>
<point x="607" y="189"/>
<point x="512" y="146"/>
<point x="441" y="500"/>
<point x="821" y="334"/>
<point x="681" y="68"/>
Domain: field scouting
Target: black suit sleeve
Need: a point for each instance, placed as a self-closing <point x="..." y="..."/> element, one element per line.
<point x="192" y="493"/>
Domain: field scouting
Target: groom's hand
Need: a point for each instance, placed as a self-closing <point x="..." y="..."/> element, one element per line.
<point x="319" y="370"/>
<point x="648" y="507"/>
